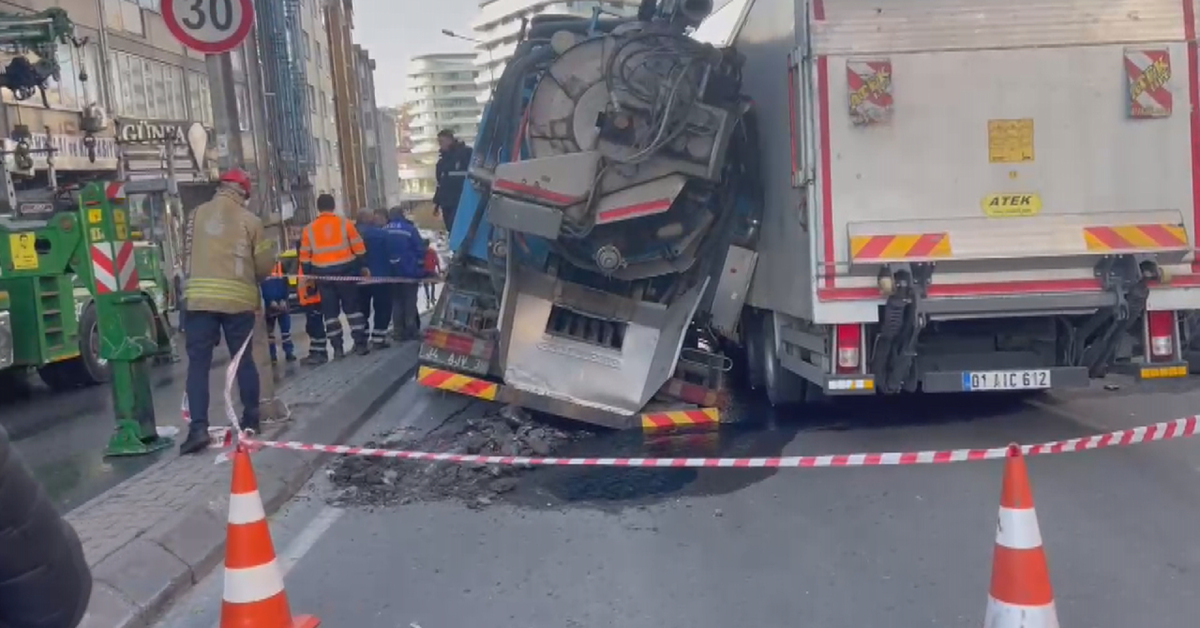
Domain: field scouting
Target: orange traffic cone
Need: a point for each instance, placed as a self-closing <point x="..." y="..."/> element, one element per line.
<point x="254" y="595"/>
<point x="1020" y="595"/>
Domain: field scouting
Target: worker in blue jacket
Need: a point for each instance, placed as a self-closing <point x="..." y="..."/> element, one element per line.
<point x="407" y="259"/>
<point x="374" y="293"/>
<point x="275" y="300"/>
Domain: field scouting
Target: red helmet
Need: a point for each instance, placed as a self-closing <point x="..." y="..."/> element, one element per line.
<point x="238" y="177"/>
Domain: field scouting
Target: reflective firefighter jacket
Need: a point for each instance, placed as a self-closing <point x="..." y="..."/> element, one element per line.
<point x="227" y="257"/>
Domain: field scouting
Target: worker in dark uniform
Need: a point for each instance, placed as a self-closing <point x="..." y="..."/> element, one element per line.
<point x="454" y="158"/>
<point x="44" y="578"/>
<point x="374" y="295"/>
<point x="330" y="246"/>
<point x="406" y="256"/>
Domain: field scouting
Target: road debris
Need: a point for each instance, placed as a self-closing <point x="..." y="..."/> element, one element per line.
<point x="384" y="482"/>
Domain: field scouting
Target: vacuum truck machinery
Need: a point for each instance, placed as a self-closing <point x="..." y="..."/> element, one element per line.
<point x="833" y="198"/>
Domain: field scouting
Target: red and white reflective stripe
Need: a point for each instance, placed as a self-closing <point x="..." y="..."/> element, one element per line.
<point x="366" y="280"/>
<point x="104" y="268"/>
<point x="633" y="211"/>
<point x="1167" y="430"/>
<point x="115" y="191"/>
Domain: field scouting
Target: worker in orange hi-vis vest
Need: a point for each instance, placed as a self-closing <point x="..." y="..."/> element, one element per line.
<point x="331" y="246"/>
<point x="314" y="323"/>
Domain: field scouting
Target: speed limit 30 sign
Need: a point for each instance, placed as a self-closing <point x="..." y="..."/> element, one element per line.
<point x="209" y="26"/>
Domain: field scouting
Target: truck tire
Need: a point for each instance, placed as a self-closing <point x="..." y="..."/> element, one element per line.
<point x="86" y="370"/>
<point x="783" y="387"/>
<point x="751" y="355"/>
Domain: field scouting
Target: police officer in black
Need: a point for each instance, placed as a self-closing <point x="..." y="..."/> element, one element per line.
<point x="453" y="161"/>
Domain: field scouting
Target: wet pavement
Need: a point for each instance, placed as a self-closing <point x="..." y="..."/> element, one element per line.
<point x="903" y="546"/>
<point x="62" y="436"/>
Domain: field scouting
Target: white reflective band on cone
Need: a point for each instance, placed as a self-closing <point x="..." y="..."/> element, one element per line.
<point x="1018" y="529"/>
<point x="252" y="584"/>
<point x="1002" y="615"/>
<point x="246" y="508"/>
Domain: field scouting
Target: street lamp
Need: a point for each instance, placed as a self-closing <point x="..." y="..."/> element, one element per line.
<point x="491" y="62"/>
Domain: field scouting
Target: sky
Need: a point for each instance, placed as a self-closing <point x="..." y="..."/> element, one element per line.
<point x="395" y="30"/>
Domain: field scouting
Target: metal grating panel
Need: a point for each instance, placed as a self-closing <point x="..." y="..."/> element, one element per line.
<point x="879" y="26"/>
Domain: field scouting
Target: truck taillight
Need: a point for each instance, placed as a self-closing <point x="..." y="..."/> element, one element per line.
<point x="1161" y="328"/>
<point x="849" y="348"/>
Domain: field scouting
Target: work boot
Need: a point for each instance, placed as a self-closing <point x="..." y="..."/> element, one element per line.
<point x="338" y="352"/>
<point x="291" y="357"/>
<point x="313" y="359"/>
<point x="362" y="348"/>
<point x="382" y="343"/>
<point x="196" y="442"/>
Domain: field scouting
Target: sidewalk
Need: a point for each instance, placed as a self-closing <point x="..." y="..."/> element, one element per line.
<point x="153" y="536"/>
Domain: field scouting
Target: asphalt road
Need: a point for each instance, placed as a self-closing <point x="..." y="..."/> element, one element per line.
<point x="62" y="436"/>
<point x="902" y="546"/>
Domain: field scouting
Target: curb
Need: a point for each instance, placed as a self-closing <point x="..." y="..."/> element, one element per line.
<point x="137" y="583"/>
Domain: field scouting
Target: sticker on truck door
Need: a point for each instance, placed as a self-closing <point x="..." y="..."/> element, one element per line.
<point x="1149" y="76"/>
<point x="1010" y="141"/>
<point x="1010" y="205"/>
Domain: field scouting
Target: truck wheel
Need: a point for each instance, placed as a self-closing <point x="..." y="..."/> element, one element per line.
<point x="752" y="355"/>
<point x="784" y="388"/>
<point x="92" y="368"/>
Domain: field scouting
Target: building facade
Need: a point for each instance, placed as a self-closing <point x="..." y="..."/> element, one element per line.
<point x="339" y="22"/>
<point x="149" y="111"/>
<point x="389" y="152"/>
<point x="441" y="95"/>
<point x="327" y="163"/>
<point x="498" y="26"/>
<point x="372" y="159"/>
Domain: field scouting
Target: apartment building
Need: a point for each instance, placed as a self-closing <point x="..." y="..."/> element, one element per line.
<point x="327" y="164"/>
<point x="372" y="159"/>
<point x="498" y="25"/>
<point x="339" y="23"/>
<point x="441" y="94"/>
<point x="389" y="150"/>
<point x="151" y="94"/>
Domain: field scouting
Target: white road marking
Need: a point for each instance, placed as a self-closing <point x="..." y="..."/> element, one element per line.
<point x="308" y="537"/>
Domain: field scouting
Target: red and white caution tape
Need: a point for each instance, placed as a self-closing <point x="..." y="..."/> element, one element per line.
<point x="366" y="280"/>
<point x="1169" y="430"/>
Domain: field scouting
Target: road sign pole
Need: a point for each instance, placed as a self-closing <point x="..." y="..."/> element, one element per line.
<point x="129" y="337"/>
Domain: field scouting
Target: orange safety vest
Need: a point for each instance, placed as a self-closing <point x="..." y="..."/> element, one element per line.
<point x="306" y="292"/>
<point x="330" y="241"/>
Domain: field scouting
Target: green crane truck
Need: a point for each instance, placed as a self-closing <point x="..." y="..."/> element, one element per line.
<point x="48" y="319"/>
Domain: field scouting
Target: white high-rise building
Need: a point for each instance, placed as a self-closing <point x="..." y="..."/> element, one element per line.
<point x="441" y="95"/>
<point x="498" y="25"/>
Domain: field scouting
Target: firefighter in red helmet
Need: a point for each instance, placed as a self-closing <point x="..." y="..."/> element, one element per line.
<point x="226" y="257"/>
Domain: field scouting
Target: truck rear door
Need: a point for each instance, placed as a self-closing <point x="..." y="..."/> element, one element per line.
<point x="1014" y="143"/>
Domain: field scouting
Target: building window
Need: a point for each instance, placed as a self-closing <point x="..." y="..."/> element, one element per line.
<point x="144" y="88"/>
<point x="316" y="150"/>
<point x="320" y="57"/>
<point x="329" y="155"/>
<point x="312" y="99"/>
<point x="199" y="97"/>
<point x="307" y="49"/>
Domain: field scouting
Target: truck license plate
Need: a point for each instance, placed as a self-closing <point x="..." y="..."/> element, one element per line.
<point x="1006" y="380"/>
<point x="456" y="361"/>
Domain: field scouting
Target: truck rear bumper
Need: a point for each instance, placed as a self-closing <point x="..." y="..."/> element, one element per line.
<point x="672" y="419"/>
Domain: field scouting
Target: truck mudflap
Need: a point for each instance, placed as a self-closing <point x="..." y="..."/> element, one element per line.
<point x="663" y="420"/>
